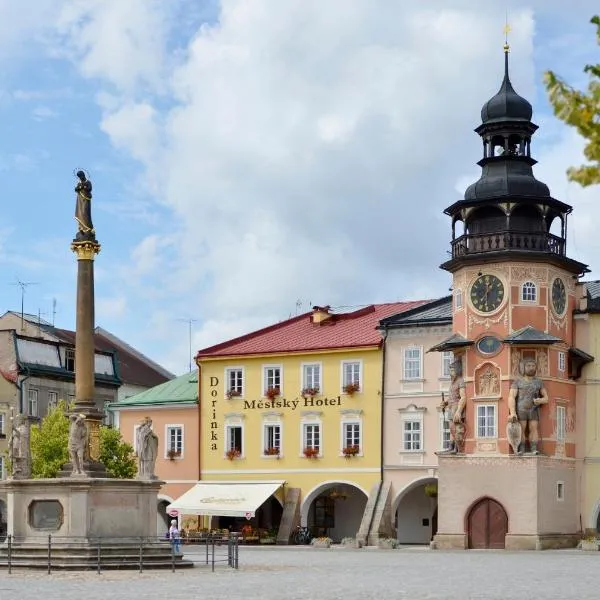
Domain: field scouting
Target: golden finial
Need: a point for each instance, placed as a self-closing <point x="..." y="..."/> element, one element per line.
<point x="506" y="32"/>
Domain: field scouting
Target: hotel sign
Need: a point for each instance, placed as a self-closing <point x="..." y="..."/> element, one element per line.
<point x="291" y="404"/>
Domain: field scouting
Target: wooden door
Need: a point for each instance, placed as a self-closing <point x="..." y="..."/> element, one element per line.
<point x="487" y="525"/>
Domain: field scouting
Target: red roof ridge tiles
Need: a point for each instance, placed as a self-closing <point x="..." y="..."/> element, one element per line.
<point x="354" y="329"/>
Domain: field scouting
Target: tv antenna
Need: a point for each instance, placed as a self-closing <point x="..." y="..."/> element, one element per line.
<point x="23" y="285"/>
<point x="189" y="322"/>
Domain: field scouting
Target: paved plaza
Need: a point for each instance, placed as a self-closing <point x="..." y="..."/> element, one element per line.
<point x="303" y="572"/>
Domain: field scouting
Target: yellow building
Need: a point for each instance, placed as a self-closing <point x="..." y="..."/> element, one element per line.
<point x="295" y="407"/>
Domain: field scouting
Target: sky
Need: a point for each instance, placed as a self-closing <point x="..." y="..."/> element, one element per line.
<point x="252" y="158"/>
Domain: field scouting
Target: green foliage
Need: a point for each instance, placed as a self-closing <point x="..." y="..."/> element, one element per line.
<point x="117" y="456"/>
<point x="49" y="441"/>
<point x="582" y="111"/>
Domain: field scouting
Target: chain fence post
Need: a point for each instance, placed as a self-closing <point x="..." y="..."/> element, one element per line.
<point x="213" y="554"/>
<point x="141" y="555"/>
<point x="49" y="553"/>
<point x="10" y="537"/>
<point x="98" y="555"/>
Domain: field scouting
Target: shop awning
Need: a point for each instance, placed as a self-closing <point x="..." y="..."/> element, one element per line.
<point x="225" y="498"/>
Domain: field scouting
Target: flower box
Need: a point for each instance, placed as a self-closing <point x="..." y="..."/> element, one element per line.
<point x="321" y="542"/>
<point x="233" y="454"/>
<point x="350" y="451"/>
<point x="350" y="542"/>
<point x="272" y="393"/>
<point x="387" y="543"/>
<point x="309" y="391"/>
<point x="172" y="454"/>
<point x="233" y="394"/>
<point x="272" y="451"/>
<point x="589" y="545"/>
<point x="311" y="452"/>
<point x="352" y="388"/>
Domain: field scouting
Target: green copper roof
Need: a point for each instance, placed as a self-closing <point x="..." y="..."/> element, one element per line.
<point x="176" y="391"/>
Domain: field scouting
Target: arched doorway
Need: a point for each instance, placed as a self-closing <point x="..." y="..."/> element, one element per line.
<point x="334" y="509"/>
<point x="416" y="512"/>
<point x="487" y="525"/>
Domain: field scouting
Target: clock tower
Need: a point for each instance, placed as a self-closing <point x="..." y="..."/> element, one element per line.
<point x="514" y="291"/>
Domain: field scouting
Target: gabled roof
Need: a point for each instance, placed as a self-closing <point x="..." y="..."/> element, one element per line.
<point x="300" y="334"/>
<point x="530" y="335"/>
<point x="181" y="390"/>
<point x="454" y="341"/>
<point x="436" y="312"/>
<point x="593" y="296"/>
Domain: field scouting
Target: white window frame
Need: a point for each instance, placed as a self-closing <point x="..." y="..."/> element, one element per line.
<point x="168" y="428"/>
<point x="303" y="375"/>
<point x="458" y="299"/>
<point x="227" y="446"/>
<point x="444" y="429"/>
<point x="562" y="361"/>
<point x="485" y="436"/>
<point x="135" y="432"/>
<point x="271" y="423"/>
<point x="307" y="420"/>
<point x="52" y="400"/>
<point x="412" y="421"/>
<point x="447" y="360"/>
<point x="405" y="350"/>
<point x="561" y="423"/>
<point x="36" y="400"/>
<point x="343" y="381"/>
<point x="352" y="418"/>
<point x="560" y="491"/>
<point x="529" y="288"/>
<point x="228" y="371"/>
<point x="266" y="386"/>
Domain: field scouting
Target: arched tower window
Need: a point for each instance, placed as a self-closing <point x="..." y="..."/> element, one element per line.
<point x="529" y="292"/>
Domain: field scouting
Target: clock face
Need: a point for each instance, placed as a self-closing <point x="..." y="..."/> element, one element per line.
<point x="487" y="293"/>
<point x="559" y="296"/>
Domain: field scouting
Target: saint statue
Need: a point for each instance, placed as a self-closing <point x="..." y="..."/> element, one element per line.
<point x="147" y="449"/>
<point x="78" y="440"/>
<point x="527" y="394"/>
<point x="454" y="409"/>
<point x="83" y="206"/>
<point x="18" y="448"/>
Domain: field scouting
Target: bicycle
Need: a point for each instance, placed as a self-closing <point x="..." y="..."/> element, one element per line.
<point x="302" y="535"/>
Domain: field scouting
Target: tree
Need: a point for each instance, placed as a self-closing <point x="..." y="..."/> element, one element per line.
<point x="117" y="456"/>
<point x="582" y="111"/>
<point x="50" y="440"/>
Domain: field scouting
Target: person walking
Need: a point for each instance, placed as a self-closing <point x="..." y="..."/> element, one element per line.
<point x="174" y="536"/>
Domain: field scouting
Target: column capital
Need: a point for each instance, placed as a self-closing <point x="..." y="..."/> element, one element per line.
<point x="85" y="250"/>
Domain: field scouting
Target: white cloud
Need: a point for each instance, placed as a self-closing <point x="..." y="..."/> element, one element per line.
<point x="111" y="308"/>
<point x="306" y="149"/>
<point x="42" y="113"/>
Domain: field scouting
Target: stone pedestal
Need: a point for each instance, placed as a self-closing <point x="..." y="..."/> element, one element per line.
<point x="538" y="494"/>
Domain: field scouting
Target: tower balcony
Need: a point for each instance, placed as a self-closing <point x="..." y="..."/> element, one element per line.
<point x="499" y="241"/>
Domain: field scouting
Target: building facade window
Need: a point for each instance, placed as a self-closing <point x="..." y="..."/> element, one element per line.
<point x="412" y="435"/>
<point x="273" y="438"/>
<point x="311" y="435"/>
<point x="562" y="362"/>
<point x="52" y="400"/>
<point x="174" y="435"/>
<point x="529" y="292"/>
<point x="272" y="379"/>
<point x="235" y="438"/>
<point x="447" y="360"/>
<point x="234" y="376"/>
<point x="445" y="439"/>
<point x="311" y="376"/>
<point x="561" y="423"/>
<point x="486" y="421"/>
<point x="32" y="402"/>
<point x="560" y="490"/>
<point x="2" y="425"/>
<point x="71" y="398"/>
<point x="412" y="363"/>
<point x="351" y="373"/>
<point x="70" y="359"/>
<point x="2" y="468"/>
<point x="458" y="299"/>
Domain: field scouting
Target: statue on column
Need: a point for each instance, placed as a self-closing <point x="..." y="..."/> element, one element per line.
<point x="454" y="409"/>
<point x="83" y="207"/>
<point x="527" y="394"/>
<point x="147" y="449"/>
<point x="78" y="441"/>
<point x="19" y="452"/>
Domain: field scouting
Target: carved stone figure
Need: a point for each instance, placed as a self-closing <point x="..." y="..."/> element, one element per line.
<point x="454" y="409"/>
<point x="489" y="384"/>
<point x="147" y="449"/>
<point x="19" y="452"/>
<point x="83" y="206"/>
<point x="527" y="394"/>
<point x="78" y="439"/>
<point x="542" y="362"/>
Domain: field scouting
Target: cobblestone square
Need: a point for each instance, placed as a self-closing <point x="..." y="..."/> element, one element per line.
<point x="335" y="573"/>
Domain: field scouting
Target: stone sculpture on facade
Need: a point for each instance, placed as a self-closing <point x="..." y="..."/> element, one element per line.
<point x="488" y="382"/>
<point x="527" y="394"/>
<point x="19" y="452"/>
<point x="454" y="409"/>
<point x="147" y="449"/>
<point x="78" y="439"/>
<point x="83" y="206"/>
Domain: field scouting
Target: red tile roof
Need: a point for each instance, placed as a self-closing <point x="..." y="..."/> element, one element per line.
<point x="342" y="330"/>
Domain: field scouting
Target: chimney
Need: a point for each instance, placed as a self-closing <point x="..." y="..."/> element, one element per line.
<point x="320" y="314"/>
